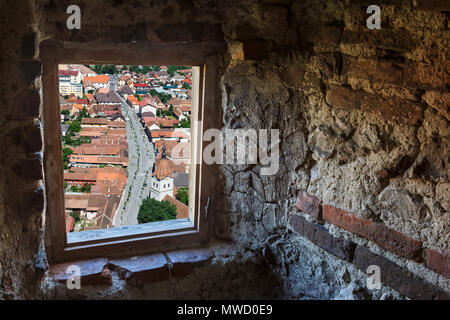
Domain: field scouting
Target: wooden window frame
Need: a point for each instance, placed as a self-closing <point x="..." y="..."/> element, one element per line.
<point x="129" y="240"/>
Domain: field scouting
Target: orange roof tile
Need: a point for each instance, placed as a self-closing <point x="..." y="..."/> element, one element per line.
<point x="163" y="169"/>
<point x="102" y="78"/>
<point x="182" y="209"/>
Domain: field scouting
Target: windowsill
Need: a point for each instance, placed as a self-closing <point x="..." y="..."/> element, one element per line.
<point x="124" y="232"/>
<point x="136" y="270"/>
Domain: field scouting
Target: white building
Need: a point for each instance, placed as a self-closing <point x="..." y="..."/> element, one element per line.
<point x="67" y="88"/>
<point x="162" y="178"/>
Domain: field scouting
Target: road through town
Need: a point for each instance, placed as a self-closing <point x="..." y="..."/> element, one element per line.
<point x="141" y="157"/>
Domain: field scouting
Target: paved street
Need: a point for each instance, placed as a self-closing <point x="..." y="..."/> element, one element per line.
<point x="141" y="158"/>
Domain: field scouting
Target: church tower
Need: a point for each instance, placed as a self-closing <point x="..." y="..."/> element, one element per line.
<point x="162" y="178"/>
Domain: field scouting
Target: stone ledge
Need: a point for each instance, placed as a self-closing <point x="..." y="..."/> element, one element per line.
<point x="93" y="272"/>
<point x="140" y="269"/>
<point x="135" y="270"/>
<point x="184" y="261"/>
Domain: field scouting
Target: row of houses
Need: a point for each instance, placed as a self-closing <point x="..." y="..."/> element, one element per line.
<point x="102" y="163"/>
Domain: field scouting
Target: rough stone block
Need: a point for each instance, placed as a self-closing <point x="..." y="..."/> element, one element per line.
<point x="439" y="261"/>
<point x="434" y="5"/>
<point x="391" y="109"/>
<point x="439" y="101"/>
<point x="27" y="105"/>
<point x="322" y="36"/>
<point x="427" y="75"/>
<point x="402" y="204"/>
<point x="257" y="50"/>
<point x="397" y="40"/>
<point x="28" y="169"/>
<point x="30" y="70"/>
<point x="321" y="237"/>
<point x="196" y="32"/>
<point x="29" y="137"/>
<point x="399" y="278"/>
<point x="184" y="261"/>
<point x="140" y="269"/>
<point x="432" y="161"/>
<point x="377" y="232"/>
<point x="93" y="272"/>
<point x="310" y="205"/>
<point x="372" y="69"/>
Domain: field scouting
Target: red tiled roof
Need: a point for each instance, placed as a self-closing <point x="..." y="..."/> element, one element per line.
<point x="67" y="73"/>
<point x="70" y="222"/>
<point x="82" y="101"/>
<point x="182" y="209"/>
<point x="102" y="78"/>
<point x="163" y="169"/>
<point x="132" y="100"/>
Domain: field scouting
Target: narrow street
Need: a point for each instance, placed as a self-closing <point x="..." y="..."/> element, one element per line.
<point x="141" y="157"/>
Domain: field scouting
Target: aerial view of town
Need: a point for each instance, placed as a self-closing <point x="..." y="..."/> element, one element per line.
<point x="126" y="144"/>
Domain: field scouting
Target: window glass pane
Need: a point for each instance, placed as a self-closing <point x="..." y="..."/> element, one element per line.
<point x="125" y="129"/>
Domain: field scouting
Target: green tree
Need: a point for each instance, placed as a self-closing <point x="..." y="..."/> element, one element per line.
<point x="66" y="153"/>
<point x="184" y="124"/>
<point x="74" y="189"/>
<point x="164" y="97"/>
<point x="86" y="188"/>
<point x="76" y="216"/>
<point x="65" y="112"/>
<point x="153" y="210"/>
<point x="171" y="110"/>
<point x="83" y="114"/>
<point x="74" y="127"/>
<point x="183" y="195"/>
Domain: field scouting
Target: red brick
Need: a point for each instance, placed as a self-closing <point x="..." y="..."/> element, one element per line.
<point x="93" y="272"/>
<point x="310" y="204"/>
<point x="318" y="235"/>
<point x="439" y="261"/>
<point x="399" y="278"/>
<point x="377" y="232"/>
<point x="184" y="261"/>
<point x="140" y="269"/>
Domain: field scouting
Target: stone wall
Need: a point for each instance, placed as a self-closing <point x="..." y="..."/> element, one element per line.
<point x="364" y="127"/>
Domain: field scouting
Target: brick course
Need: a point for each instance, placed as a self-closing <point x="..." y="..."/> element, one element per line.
<point x="310" y="205"/>
<point x="438" y="261"/>
<point x="398" y="278"/>
<point x="321" y="237"/>
<point x="377" y="232"/>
